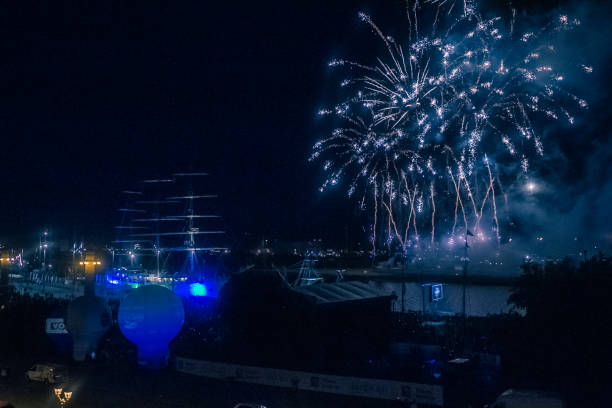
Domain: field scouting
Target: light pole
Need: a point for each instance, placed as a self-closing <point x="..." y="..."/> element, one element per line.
<point x="90" y="273"/>
<point x="465" y="269"/>
<point x="43" y="246"/>
<point x="62" y="396"/>
<point x="465" y="274"/>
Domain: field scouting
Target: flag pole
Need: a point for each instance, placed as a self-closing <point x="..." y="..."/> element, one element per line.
<point x="465" y="272"/>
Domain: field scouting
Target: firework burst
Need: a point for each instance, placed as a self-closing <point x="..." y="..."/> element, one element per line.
<point x="424" y="126"/>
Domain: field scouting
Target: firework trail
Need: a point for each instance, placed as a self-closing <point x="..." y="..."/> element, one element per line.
<point x="432" y="117"/>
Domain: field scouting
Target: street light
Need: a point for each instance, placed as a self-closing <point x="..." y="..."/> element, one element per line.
<point x="90" y="272"/>
<point x="62" y="396"/>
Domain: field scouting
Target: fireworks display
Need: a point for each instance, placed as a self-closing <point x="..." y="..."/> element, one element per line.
<point x="425" y="128"/>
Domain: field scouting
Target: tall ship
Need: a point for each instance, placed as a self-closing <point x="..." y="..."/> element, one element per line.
<point x="170" y="233"/>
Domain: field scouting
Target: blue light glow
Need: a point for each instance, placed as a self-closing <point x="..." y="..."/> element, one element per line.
<point x="197" y="289"/>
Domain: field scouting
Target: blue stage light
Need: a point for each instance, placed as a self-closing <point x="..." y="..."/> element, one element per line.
<point x="197" y="289"/>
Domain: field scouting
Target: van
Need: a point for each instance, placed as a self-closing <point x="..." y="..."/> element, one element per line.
<point x="48" y="373"/>
<point x="513" y="398"/>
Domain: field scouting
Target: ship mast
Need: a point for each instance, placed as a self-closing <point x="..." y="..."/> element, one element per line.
<point x="190" y="218"/>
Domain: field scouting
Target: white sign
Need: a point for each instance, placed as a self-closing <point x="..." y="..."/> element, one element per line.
<point x="437" y="292"/>
<point x="56" y="326"/>
<point x="360" y="387"/>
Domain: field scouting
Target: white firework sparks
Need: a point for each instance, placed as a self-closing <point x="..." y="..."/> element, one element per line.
<point x="432" y="115"/>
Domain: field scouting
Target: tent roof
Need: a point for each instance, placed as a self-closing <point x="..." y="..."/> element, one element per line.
<point x="339" y="292"/>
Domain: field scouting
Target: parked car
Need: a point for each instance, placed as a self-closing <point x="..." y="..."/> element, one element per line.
<point x="248" y="405"/>
<point x="528" y="399"/>
<point x="49" y="373"/>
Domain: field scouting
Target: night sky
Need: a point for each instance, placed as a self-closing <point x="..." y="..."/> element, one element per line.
<point x="99" y="95"/>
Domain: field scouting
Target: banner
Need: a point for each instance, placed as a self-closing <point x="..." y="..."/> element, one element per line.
<point x="55" y="325"/>
<point x="359" y="387"/>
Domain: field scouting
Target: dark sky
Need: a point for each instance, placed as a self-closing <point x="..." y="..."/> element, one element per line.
<point x="98" y="95"/>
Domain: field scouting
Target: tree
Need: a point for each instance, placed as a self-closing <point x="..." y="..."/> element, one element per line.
<point x="568" y="317"/>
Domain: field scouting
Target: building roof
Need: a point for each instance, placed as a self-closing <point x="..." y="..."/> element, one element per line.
<point x="339" y="292"/>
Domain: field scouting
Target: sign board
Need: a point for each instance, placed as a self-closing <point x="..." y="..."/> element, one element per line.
<point x="55" y="325"/>
<point x="437" y="293"/>
<point x="428" y="394"/>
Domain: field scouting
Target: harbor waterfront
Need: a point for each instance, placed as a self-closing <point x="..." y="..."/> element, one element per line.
<point x="373" y="204"/>
<point x="413" y="294"/>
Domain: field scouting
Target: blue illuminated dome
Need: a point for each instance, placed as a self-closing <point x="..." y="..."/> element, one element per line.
<point x="151" y="316"/>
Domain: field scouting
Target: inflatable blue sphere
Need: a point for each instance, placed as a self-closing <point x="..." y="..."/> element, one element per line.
<point x="151" y="316"/>
<point x="87" y="319"/>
